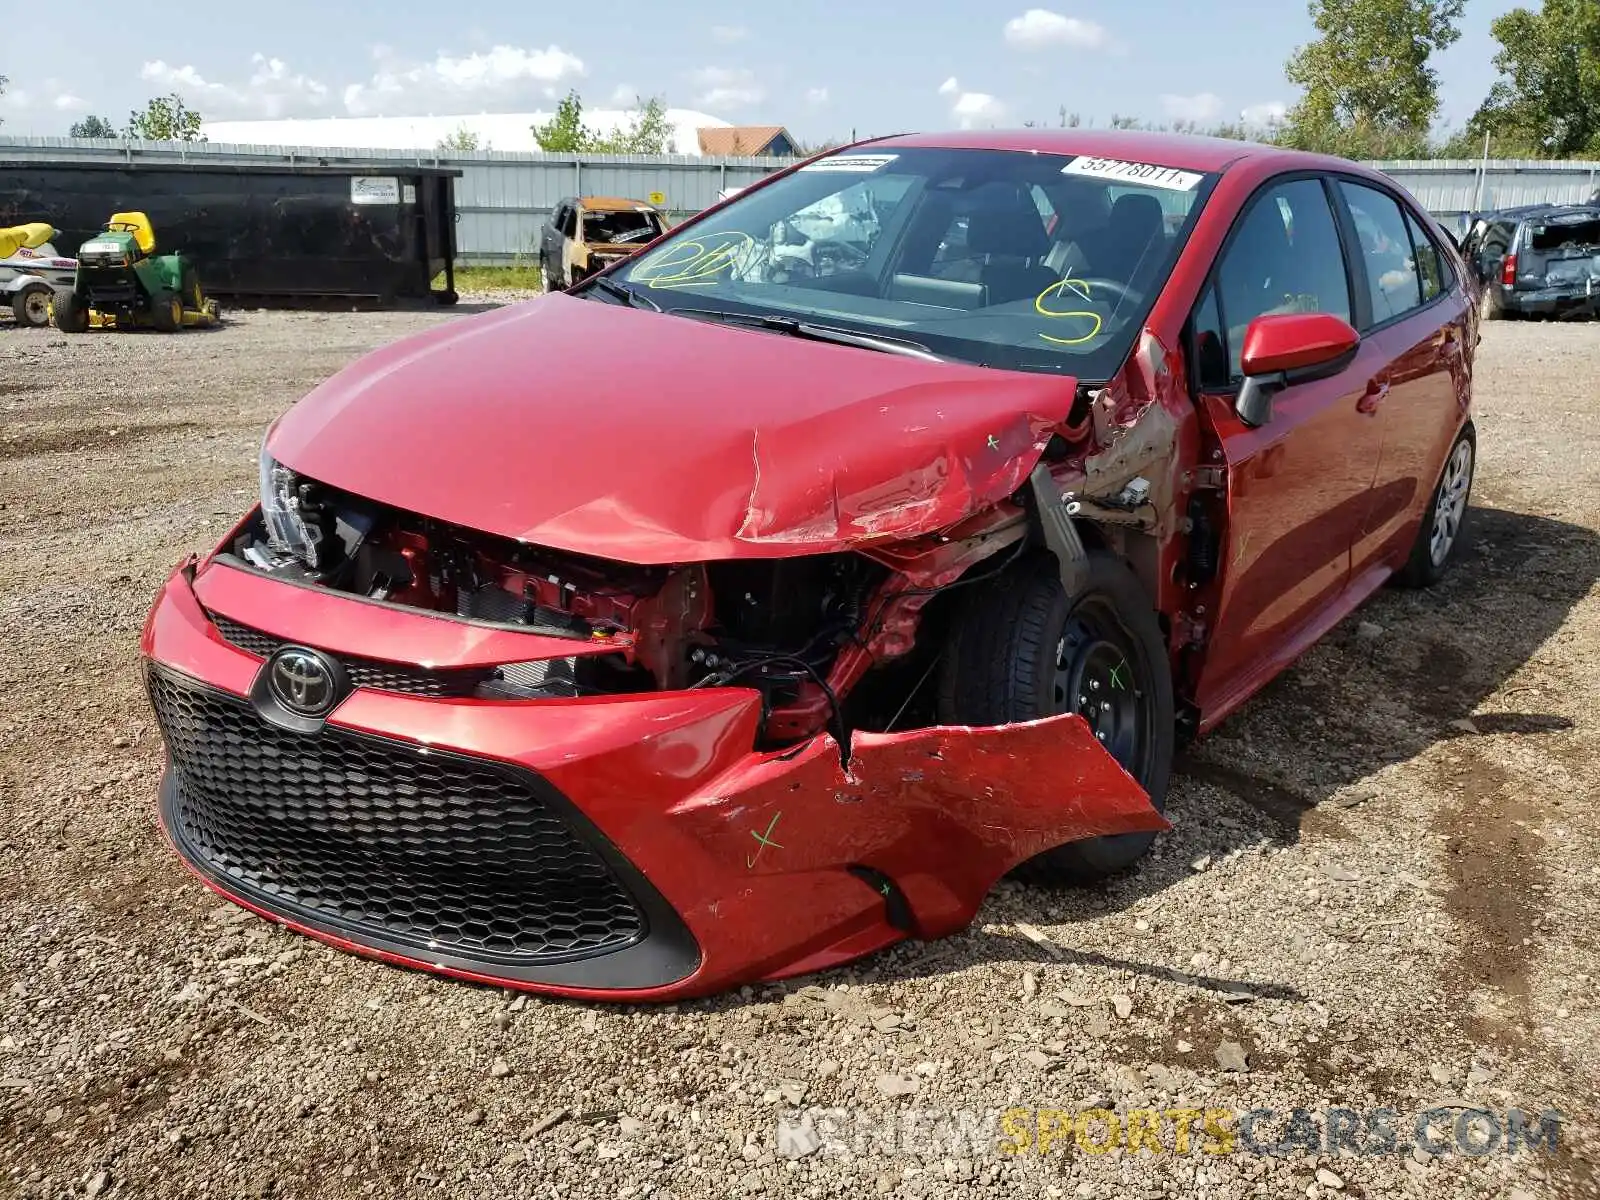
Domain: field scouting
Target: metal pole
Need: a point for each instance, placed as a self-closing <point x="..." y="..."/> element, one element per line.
<point x="1483" y="174"/>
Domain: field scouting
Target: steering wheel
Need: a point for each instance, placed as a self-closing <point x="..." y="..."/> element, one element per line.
<point x="1086" y="287"/>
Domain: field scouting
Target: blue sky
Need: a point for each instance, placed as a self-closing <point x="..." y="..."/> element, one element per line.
<point x="821" y="68"/>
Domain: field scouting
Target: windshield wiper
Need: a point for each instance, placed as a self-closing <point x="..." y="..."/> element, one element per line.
<point x="624" y="293"/>
<point x="816" y="333"/>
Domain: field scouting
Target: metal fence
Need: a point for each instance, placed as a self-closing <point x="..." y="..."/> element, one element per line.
<point x="504" y="198"/>
<point x="1452" y="188"/>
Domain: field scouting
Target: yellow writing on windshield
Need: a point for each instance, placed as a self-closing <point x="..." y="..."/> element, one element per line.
<point x="1068" y="291"/>
<point x="695" y="261"/>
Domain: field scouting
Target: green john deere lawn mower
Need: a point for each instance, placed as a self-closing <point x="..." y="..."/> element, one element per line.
<point x="122" y="283"/>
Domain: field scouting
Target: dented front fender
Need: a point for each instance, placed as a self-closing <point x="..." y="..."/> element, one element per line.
<point x="943" y="812"/>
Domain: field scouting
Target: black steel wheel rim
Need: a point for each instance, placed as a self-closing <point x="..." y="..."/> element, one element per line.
<point x="1099" y="676"/>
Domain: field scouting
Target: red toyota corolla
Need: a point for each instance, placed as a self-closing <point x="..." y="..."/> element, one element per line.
<point x="765" y="599"/>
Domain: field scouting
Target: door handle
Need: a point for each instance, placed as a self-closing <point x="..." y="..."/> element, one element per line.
<point x="1373" y="396"/>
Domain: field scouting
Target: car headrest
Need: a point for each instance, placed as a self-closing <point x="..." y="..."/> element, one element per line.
<point x="1010" y="229"/>
<point x="1137" y="217"/>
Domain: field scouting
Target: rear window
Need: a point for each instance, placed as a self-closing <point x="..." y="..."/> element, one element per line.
<point x="1555" y="236"/>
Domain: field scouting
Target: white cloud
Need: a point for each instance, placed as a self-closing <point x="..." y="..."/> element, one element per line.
<point x="498" y="75"/>
<point x="1203" y="106"/>
<point x="726" y="87"/>
<point x="727" y="35"/>
<point x="971" y="110"/>
<point x="816" y="97"/>
<point x="1267" y="113"/>
<point x="624" y="95"/>
<point x="67" y="102"/>
<point x="1039" y="28"/>
<point x="272" y="90"/>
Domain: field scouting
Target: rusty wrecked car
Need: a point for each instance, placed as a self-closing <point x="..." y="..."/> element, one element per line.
<point x="784" y="629"/>
<point x="587" y="234"/>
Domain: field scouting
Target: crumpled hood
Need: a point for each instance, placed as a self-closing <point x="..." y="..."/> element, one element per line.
<point x="649" y="438"/>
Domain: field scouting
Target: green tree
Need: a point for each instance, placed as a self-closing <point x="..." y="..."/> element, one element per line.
<point x="1548" y="99"/>
<point x="1368" y="88"/>
<point x="92" y="127"/>
<point x="166" y="119"/>
<point x="807" y="149"/>
<point x="461" y="139"/>
<point x="565" y="133"/>
<point x="648" y="132"/>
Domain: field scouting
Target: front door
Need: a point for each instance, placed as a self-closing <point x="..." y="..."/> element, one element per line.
<point x="1297" y="487"/>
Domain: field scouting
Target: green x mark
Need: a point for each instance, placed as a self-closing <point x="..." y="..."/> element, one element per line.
<point x="766" y="840"/>
<point x="1116" y="677"/>
<point x="994" y="442"/>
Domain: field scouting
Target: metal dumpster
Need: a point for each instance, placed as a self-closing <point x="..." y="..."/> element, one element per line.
<point x="377" y="233"/>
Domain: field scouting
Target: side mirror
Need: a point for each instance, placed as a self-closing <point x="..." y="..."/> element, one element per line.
<point x="1284" y="349"/>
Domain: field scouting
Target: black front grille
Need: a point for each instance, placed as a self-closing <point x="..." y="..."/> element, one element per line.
<point x="439" y="852"/>
<point x="365" y="672"/>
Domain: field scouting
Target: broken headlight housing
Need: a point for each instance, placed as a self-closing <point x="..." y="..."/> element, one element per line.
<point x="292" y="521"/>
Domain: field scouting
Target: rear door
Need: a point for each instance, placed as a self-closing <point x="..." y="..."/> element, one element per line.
<point x="1297" y="486"/>
<point x="1562" y="253"/>
<point x="1414" y="323"/>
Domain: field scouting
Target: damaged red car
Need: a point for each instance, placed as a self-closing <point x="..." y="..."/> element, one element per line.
<point x="763" y="600"/>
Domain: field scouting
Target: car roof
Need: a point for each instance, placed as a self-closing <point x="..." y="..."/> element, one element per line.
<point x="610" y="204"/>
<point x="1185" y="152"/>
<point x="1527" y="211"/>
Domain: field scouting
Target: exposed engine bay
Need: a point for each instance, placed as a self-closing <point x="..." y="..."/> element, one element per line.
<point x="781" y="626"/>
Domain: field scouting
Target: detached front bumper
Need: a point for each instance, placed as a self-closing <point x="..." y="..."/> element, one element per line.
<point x="618" y="847"/>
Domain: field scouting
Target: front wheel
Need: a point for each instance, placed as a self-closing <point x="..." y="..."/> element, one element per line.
<point x="71" y="314"/>
<point x="167" y="315"/>
<point x="1022" y="650"/>
<point x="1442" y="524"/>
<point x="31" y="305"/>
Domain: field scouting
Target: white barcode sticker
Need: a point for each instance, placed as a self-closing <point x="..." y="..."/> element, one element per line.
<point x="1144" y="174"/>
<point x="859" y="164"/>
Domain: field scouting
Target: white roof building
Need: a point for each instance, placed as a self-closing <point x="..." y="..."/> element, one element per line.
<point x="495" y="131"/>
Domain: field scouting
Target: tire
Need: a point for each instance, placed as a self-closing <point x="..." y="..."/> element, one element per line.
<point x="31" y="305"/>
<point x="70" y="314"/>
<point x="1005" y="663"/>
<point x="1444" y="521"/>
<point x="1489" y="306"/>
<point x="167" y="315"/>
<point x="549" y="279"/>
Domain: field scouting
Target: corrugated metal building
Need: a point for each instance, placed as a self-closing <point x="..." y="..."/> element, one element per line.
<point x="503" y="198"/>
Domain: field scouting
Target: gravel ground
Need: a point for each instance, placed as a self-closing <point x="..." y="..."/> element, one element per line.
<point x="1381" y="890"/>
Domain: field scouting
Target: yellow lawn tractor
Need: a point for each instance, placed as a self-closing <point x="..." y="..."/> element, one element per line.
<point x="122" y="283"/>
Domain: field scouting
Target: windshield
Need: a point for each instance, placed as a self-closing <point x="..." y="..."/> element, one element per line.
<point x="1010" y="259"/>
<point x="621" y="225"/>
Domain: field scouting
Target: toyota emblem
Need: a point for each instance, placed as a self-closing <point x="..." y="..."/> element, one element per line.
<point x="303" y="681"/>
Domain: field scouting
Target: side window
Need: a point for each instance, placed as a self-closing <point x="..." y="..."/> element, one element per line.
<point x="1210" y="344"/>
<point x="1285" y="257"/>
<point x="1497" y="239"/>
<point x="1430" y="263"/>
<point x="1393" y="281"/>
